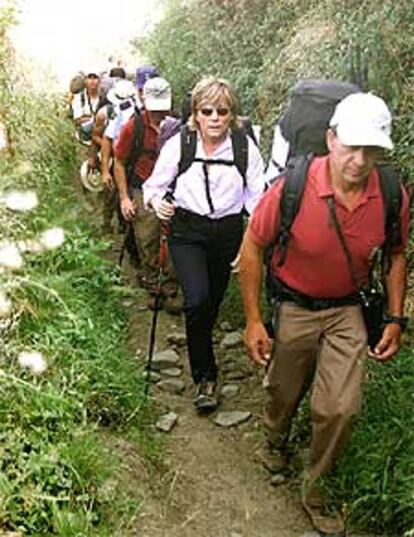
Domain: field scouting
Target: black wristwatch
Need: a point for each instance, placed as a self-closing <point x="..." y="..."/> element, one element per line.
<point x="402" y="321"/>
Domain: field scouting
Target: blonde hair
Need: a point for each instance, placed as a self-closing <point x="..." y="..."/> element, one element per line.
<point x="213" y="91"/>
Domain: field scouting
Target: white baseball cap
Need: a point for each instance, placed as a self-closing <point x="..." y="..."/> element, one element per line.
<point x="363" y="119"/>
<point x="157" y="95"/>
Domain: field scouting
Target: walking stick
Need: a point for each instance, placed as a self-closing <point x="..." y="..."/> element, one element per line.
<point x="158" y="294"/>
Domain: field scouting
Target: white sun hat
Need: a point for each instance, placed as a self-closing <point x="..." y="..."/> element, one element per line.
<point x="122" y="90"/>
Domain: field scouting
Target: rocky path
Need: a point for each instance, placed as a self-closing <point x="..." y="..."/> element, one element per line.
<point x="210" y="484"/>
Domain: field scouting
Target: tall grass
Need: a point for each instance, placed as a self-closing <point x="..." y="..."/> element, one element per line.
<point x="58" y="476"/>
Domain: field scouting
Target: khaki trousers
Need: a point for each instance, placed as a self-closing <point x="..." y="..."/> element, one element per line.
<point x="147" y="230"/>
<point x="325" y="349"/>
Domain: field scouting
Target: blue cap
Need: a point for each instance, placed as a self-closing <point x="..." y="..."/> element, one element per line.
<point x="144" y="73"/>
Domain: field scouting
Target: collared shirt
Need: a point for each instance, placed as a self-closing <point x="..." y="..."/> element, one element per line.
<point x="125" y="142"/>
<point x="82" y="104"/>
<point x="315" y="263"/>
<point x="227" y="192"/>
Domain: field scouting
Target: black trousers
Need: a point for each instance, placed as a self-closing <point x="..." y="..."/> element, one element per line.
<point x="202" y="250"/>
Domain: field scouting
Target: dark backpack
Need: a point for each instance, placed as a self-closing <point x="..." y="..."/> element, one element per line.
<point x="295" y="180"/>
<point x="305" y="121"/>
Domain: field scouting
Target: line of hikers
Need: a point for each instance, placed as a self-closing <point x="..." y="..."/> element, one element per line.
<point x="320" y="214"/>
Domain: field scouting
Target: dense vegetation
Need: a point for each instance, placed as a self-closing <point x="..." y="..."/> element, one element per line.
<point x="66" y="374"/>
<point x="263" y="47"/>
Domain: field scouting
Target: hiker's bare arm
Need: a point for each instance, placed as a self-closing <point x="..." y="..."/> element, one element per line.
<point x="395" y="282"/>
<point x="250" y="276"/>
<point x="106" y="150"/>
<point x="127" y="206"/>
<point x="98" y="129"/>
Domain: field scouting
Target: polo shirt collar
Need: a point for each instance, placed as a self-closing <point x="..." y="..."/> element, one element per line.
<point x="320" y="169"/>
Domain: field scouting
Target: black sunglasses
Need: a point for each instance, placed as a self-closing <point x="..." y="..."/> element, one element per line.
<point x="222" y="111"/>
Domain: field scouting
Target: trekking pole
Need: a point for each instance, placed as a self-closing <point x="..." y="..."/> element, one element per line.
<point x="165" y="228"/>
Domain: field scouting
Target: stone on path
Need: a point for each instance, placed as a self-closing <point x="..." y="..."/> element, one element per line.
<point x="229" y="390"/>
<point x="231" y="340"/>
<point x="171" y="372"/>
<point x="174" y="386"/>
<point x="277" y="480"/>
<point x="154" y="377"/>
<point x="230" y="364"/>
<point x="231" y="418"/>
<point x="177" y="338"/>
<point x="167" y="422"/>
<point x="165" y="360"/>
<point x="237" y="375"/>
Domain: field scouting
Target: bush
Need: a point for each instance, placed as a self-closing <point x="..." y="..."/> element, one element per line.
<point x="263" y="48"/>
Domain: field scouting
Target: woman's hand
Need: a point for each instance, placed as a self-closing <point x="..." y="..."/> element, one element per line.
<point x="163" y="209"/>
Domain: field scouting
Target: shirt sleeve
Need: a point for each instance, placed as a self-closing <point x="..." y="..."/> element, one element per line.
<point x="165" y="170"/>
<point x="123" y="146"/>
<point x="264" y="222"/>
<point x="255" y="184"/>
<point x="77" y="107"/>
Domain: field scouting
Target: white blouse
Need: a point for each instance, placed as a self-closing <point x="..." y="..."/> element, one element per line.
<point x="227" y="192"/>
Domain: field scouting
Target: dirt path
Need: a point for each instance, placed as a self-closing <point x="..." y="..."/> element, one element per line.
<point x="211" y="485"/>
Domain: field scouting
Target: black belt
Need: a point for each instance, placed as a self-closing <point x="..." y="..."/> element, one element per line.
<point x="283" y="293"/>
<point x="184" y="214"/>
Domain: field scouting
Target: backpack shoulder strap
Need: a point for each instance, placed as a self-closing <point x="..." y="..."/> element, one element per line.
<point x="391" y="192"/>
<point x="188" y="149"/>
<point x="241" y="152"/>
<point x="188" y="146"/>
<point x="293" y="188"/>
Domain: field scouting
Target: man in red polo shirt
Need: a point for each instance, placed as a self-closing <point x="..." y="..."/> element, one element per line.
<point x="157" y="105"/>
<point x="325" y="347"/>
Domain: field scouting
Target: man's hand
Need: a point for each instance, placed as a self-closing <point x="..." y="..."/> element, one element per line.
<point x="388" y="344"/>
<point x="258" y="343"/>
<point x="92" y="162"/>
<point x="127" y="208"/>
<point x="107" y="181"/>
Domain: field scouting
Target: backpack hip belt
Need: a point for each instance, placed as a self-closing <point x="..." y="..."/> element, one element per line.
<point x="285" y="293"/>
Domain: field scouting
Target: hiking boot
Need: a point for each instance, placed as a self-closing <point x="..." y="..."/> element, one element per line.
<point x="327" y="521"/>
<point x="173" y="304"/>
<point x="273" y="459"/>
<point x="205" y="399"/>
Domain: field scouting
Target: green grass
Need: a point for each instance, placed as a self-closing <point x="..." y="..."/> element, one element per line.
<point x="375" y="478"/>
<point x="59" y="472"/>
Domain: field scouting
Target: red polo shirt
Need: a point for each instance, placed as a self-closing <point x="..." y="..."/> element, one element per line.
<point x="315" y="263"/>
<point x="123" y="147"/>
